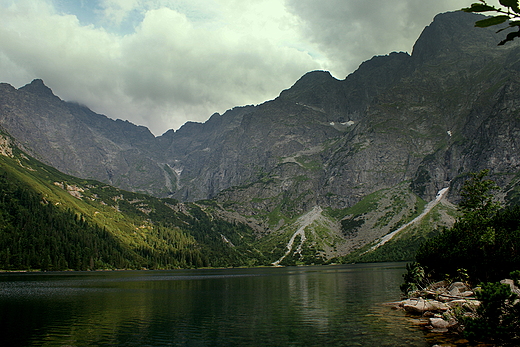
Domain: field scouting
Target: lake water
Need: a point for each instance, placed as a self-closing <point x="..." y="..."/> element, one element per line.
<point x="289" y="306"/>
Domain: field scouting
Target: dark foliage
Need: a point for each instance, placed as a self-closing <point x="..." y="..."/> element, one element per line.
<point x="498" y="316"/>
<point x="510" y="16"/>
<point x="35" y="234"/>
<point x="484" y="244"/>
<point x="489" y="251"/>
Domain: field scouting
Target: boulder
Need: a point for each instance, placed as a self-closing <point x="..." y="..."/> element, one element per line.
<point x="437" y="285"/>
<point x="456" y="288"/>
<point x="468" y="304"/>
<point x="439" y="323"/>
<point x="420" y="306"/>
<point x="467" y="293"/>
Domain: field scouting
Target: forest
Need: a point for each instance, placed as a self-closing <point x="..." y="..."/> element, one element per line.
<point x="45" y="232"/>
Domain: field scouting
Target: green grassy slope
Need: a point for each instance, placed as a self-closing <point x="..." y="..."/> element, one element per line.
<point x="52" y="221"/>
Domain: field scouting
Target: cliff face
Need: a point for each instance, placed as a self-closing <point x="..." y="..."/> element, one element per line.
<point x="447" y="109"/>
<point x="451" y="107"/>
<point x="80" y="142"/>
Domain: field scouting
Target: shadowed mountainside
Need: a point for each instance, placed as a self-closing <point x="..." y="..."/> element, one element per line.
<point x="401" y="127"/>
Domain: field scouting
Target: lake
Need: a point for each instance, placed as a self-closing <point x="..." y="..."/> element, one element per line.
<point x="287" y="306"/>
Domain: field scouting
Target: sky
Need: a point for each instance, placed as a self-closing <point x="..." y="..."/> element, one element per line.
<point x="161" y="63"/>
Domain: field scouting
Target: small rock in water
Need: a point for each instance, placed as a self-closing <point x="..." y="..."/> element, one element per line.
<point x="439" y="323"/>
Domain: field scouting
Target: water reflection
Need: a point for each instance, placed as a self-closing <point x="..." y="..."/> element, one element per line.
<point x="307" y="306"/>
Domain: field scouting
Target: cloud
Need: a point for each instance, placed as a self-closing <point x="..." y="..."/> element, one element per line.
<point x="348" y="32"/>
<point x="160" y="63"/>
<point x="167" y="71"/>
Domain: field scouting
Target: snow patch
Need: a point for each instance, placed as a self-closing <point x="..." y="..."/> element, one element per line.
<point x="342" y="124"/>
<point x="178" y="171"/>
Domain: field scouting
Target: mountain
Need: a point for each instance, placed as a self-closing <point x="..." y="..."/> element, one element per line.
<point x="328" y="167"/>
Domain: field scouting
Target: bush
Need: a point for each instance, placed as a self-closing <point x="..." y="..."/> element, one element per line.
<point x="498" y="316"/>
<point x="485" y="243"/>
<point x="414" y="278"/>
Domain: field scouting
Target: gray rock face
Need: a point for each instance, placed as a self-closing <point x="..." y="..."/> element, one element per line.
<point x="449" y="108"/>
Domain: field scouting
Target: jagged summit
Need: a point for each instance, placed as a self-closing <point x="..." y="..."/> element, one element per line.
<point x="37" y="87"/>
<point x="407" y="100"/>
<point x="406" y="104"/>
<point x="452" y="33"/>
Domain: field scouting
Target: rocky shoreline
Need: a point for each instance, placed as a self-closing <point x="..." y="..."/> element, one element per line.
<point x="440" y="305"/>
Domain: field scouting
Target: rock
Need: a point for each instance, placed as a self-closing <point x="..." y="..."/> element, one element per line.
<point x="468" y="304"/>
<point x="438" y="306"/>
<point x="456" y="288"/>
<point x="439" y="323"/>
<point x="420" y="306"/>
<point x="438" y="285"/>
<point x="512" y="285"/>
<point x="444" y="298"/>
<point x="467" y="293"/>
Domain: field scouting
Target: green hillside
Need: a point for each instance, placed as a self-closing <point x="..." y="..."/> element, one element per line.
<point x="52" y="221"/>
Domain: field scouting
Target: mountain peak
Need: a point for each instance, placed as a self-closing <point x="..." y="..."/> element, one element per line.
<point x="37" y="87"/>
<point x="453" y="32"/>
<point x="314" y="77"/>
<point x="306" y="87"/>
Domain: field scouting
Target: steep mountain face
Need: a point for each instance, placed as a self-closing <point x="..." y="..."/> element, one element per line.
<point x="401" y="126"/>
<point x="80" y="142"/>
<point x="447" y="109"/>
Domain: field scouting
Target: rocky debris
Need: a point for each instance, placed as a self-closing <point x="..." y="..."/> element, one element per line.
<point x="73" y="190"/>
<point x="5" y="147"/>
<point x="439" y="307"/>
<point x="442" y="303"/>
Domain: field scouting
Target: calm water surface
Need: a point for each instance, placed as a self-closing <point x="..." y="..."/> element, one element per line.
<point x="292" y="306"/>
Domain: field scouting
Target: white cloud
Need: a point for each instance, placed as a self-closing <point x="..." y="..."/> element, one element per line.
<point x="160" y="63"/>
<point x="166" y="72"/>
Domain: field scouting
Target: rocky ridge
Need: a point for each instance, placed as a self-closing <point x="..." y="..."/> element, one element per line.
<point x="369" y="150"/>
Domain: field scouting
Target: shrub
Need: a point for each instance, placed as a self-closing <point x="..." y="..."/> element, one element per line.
<point x="498" y="316"/>
<point x="414" y="278"/>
